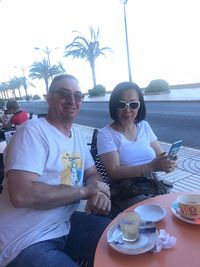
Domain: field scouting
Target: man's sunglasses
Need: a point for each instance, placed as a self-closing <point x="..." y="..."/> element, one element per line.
<point x="78" y="96"/>
<point x="131" y="105"/>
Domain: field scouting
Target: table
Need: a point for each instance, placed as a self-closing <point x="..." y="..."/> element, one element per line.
<point x="185" y="253"/>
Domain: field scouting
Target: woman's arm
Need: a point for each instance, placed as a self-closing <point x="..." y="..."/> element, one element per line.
<point x="117" y="172"/>
<point x="156" y="147"/>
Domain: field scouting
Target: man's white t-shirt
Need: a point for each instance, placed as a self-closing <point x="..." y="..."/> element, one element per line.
<point x="39" y="147"/>
<point x="131" y="153"/>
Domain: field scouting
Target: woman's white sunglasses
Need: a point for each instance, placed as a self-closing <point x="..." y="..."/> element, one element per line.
<point x="131" y="105"/>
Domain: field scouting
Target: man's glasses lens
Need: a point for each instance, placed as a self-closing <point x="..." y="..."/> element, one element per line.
<point x="131" y="105"/>
<point x="78" y="96"/>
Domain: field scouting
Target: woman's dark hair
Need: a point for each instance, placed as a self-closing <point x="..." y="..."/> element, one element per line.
<point x="116" y="96"/>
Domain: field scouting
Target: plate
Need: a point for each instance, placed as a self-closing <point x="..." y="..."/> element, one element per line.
<point x="145" y="243"/>
<point x="176" y="211"/>
<point x="151" y="212"/>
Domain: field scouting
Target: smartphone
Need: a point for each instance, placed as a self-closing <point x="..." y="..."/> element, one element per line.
<point x="174" y="149"/>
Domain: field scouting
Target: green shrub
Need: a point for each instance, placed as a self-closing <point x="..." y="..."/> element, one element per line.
<point x="97" y="90"/>
<point x="27" y="98"/>
<point x="157" y="86"/>
<point x="36" y="97"/>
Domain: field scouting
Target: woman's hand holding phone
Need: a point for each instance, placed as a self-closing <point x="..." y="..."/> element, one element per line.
<point x="174" y="149"/>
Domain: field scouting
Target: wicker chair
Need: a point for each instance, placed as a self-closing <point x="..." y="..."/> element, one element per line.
<point x="117" y="205"/>
<point x="41" y="115"/>
<point x="1" y="172"/>
<point x="30" y="115"/>
<point x="97" y="160"/>
<point x="115" y="209"/>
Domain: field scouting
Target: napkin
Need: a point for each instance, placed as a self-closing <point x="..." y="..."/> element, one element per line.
<point x="164" y="241"/>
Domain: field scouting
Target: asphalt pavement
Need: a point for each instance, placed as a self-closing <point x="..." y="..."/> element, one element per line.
<point x="187" y="175"/>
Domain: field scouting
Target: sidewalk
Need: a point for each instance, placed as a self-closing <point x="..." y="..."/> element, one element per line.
<point x="187" y="175"/>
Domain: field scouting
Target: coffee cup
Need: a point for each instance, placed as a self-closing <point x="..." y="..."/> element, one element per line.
<point x="189" y="205"/>
<point x="129" y="222"/>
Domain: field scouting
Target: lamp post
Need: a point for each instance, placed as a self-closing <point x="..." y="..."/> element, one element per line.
<point x="22" y="69"/>
<point x="47" y="51"/>
<point x="23" y="78"/>
<point x="124" y="2"/>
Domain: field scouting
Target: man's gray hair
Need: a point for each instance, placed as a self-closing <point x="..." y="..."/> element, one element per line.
<point x="58" y="78"/>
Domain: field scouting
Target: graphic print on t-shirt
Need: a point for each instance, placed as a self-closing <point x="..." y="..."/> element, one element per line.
<point x="72" y="174"/>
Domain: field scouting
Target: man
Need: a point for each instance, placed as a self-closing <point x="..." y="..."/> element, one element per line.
<point x="18" y="116"/>
<point x="46" y="164"/>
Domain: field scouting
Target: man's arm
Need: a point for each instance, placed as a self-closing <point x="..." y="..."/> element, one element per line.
<point x="97" y="191"/>
<point x="26" y="192"/>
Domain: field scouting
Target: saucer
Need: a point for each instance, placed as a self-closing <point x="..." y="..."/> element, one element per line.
<point x="145" y="243"/>
<point x="176" y="211"/>
<point x="151" y="212"/>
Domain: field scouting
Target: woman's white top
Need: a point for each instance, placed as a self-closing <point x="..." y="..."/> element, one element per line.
<point x="131" y="153"/>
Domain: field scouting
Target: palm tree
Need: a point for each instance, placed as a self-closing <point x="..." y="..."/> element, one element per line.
<point x="24" y="82"/>
<point x="89" y="50"/>
<point x="62" y="69"/>
<point x="4" y="90"/>
<point x="15" y="83"/>
<point x="42" y="70"/>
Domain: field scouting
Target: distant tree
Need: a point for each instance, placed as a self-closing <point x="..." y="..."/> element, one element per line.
<point x="12" y="85"/>
<point x="36" y="97"/>
<point x="89" y="50"/>
<point x="15" y="83"/>
<point x="27" y="97"/>
<point x="157" y="86"/>
<point x="62" y="69"/>
<point x="41" y="70"/>
<point x="98" y="90"/>
<point x="24" y="83"/>
<point x="4" y="90"/>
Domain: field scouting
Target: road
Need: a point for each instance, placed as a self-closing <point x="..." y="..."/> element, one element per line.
<point x="170" y="121"/>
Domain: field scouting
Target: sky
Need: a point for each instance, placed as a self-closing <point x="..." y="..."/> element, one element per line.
<point x="163" y="35"/>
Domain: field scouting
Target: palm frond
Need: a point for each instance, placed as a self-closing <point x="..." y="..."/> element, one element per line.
<point x="89" y="50"/>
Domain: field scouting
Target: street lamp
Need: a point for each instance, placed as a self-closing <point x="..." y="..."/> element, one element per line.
<point x="47" y="51"/>
<point x="22" y="69"/>
<point x="124" y="2"/>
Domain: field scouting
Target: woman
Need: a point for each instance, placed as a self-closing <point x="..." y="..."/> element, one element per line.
<point x="129" y="149"/>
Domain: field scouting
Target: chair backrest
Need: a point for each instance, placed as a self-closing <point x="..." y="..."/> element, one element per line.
<point x="8" y="136"/>
<point x="41" y="115"/>
<point x="94" y="139"/>
<point x="1" y="171"/>
<point x="30" y="115"/>
<point x="97" y="160"/>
